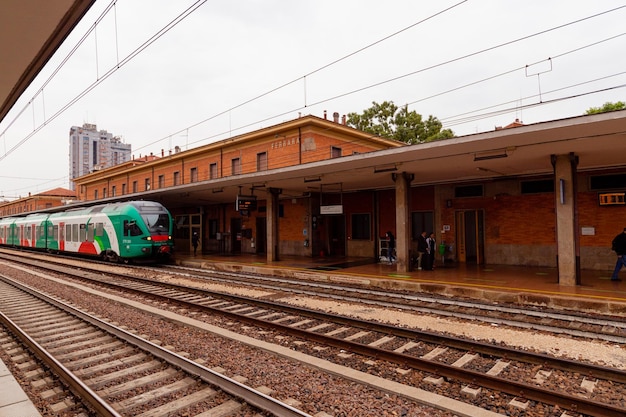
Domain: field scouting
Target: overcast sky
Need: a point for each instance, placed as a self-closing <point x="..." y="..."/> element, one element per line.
<point x="228" y="68"/>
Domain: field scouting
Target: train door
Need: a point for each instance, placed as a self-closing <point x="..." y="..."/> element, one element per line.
<point x="470" y="237"/>
<point x="261" y="235"/>
<point x="61" y="236"/>
<point x="235" y="234"/>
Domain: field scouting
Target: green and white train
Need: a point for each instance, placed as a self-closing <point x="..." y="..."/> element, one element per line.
<point x="124" y="231"/>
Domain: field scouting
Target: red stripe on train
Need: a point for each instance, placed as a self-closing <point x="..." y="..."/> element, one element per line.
<point x="160" y="238"/>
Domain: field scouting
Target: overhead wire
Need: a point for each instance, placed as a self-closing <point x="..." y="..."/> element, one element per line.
<point x="389" y="80"/>
<point x="111" y="71"/>
<point x="199" y="3"/>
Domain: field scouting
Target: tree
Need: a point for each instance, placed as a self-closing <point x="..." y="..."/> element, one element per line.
<point x="608" y="106"/>
<point x="390" y="121"/>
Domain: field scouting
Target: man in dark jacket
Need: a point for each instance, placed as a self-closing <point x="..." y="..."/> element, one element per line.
<point x="422" y="248"/>
<point x="619" y="246"/>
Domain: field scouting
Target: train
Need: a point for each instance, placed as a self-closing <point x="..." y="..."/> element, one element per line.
<point x="131" y="231"/>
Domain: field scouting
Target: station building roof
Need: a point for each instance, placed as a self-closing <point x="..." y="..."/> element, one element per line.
<point x="31" y="33"/>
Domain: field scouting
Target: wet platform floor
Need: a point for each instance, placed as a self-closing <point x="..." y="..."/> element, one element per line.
<point x="524" y="285"/>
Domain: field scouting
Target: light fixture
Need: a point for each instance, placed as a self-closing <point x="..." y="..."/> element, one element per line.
<point x="491" y="171"/>
<point x="385" y="168"/>
<point x="312" y="179"/>
<point x="482" y="156"/>
<point x="218" y="190"/>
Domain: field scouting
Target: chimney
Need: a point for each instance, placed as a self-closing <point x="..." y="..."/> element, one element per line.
<point x="336" y="117"/>
<point x="325" y="115"/>
<point x="343" y="119"/>
<point x="162" y="153"/>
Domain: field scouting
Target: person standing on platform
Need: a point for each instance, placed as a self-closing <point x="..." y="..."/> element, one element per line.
<point x="391" y="247"/>
<point x="422" y="248"/>
<point x="619" y="246"/>
<point x="431" y="247"/>
<point x="194" y="242"/>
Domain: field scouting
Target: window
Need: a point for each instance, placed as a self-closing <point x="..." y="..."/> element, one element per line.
<point x="193" y="174"/>
<point x="538" y="186"/>
<point x="95" y="194"/>
<point x="131" y="228"/>
<point x="607" y="182"/>
<point x="124" y="189"/>
<point x="135" y="186"/>
<point x="90" y="232"/>
<point x="335" y="152"/>
<point x="147" y="184"/>
<point x="236" y="166"/>
<point x="261" y="161"/>
<point x="421" y="221"/>
<point x="99" y="229"/>
<point x="161" y="181"/>
<point x="468" y="191"/>
<point x="83" y="232"/>
<point x="361" y="226"/>
<point x="213" y="170"/>
<point x="177" y="178"/>
<point x="213" y="228"/>
<point x="113" y="191"/>
<point x="104" y="193"/>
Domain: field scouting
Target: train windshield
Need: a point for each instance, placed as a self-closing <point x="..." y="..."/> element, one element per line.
<point x="157" y="223"/>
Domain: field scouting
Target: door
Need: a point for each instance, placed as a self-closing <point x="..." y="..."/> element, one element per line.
<point x="470" y="237"/>
<point x="261" y="234"/>
<point x="196" y="227"/>
<point x="336" y="235"/>
<point x="235" y="234"/>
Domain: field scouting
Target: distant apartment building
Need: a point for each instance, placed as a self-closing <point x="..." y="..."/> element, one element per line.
<point x="92" y="149"/>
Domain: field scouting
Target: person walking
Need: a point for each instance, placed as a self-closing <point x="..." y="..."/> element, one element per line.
<point x="619" y="246"/>
<point x="194" y="242"/>
<point x="391" y="247"/>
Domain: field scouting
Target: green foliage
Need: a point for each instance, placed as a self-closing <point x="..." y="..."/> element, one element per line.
<point x="393" y="122"/>
<point x="608" y="106"/>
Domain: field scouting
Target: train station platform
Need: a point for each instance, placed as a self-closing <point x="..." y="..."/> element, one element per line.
<point x="498" y="283"/>
<point x="13" y="400"/>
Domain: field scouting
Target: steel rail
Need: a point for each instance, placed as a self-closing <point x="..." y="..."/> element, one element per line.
<point x="231" y="386"/>
<point x="514" y="388"/>
<point x="94" y="401"/>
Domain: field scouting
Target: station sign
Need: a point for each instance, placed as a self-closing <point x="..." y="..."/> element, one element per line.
<point x="245" y="203"/>
<point x="335" y="209"/>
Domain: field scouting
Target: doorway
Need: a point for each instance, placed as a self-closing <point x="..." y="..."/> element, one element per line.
<point x="261" y="234"/>
<point x="235" y="234"/>
<point x="336" y="233"/>
<point x="470" y="236"/>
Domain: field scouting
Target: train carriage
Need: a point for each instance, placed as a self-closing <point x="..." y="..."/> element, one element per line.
<point x="136" y="230"/>
<point x="31" y="230"/>
<point x="8" y="234"/>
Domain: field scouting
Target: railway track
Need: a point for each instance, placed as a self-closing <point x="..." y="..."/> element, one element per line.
<point x="571" y="323"/>
<point x="114" y="372"/>
<point x="441" y="358"/>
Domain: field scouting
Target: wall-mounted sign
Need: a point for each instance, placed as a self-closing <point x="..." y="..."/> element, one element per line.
<point x="336" y="209"/>
<point x="245" y="203"/>
<point x="611" y="199"/>
<point x="588" y="231"/>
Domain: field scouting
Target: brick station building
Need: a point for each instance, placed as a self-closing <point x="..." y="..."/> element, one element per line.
<point x="544" y="194"/>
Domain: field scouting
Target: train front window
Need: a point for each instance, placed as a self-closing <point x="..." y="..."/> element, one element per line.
<point x="157" y="223"/>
